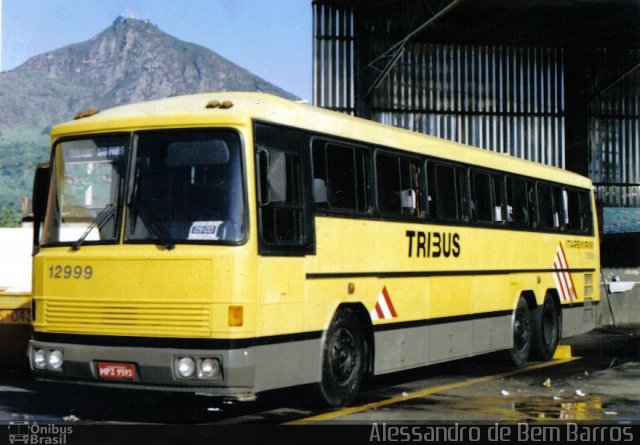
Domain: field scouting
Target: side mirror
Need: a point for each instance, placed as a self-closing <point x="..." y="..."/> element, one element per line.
<point x="39" y="197"/>
<point x="272" y="176"/>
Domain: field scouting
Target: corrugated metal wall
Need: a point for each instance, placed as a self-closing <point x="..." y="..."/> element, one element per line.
<point x="333" y="61"/>
<point x="505" y="99"/>
<point x="614" y="135"/>
<point x="498" y="98"/>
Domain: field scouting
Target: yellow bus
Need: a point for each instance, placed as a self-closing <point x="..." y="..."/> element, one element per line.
<point x="233" y="243"/>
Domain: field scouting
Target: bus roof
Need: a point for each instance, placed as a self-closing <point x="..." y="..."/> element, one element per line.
<point x="240" y="108"/>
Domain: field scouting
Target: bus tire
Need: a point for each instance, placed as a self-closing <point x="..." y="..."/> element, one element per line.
<point x="518" y="355"/>
<point x="546" y="325"/>
<point x="343" y="359"/>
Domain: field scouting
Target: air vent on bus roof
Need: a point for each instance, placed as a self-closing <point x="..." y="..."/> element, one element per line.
<point x="217" y="104"/>
<point x="86" y="113"/>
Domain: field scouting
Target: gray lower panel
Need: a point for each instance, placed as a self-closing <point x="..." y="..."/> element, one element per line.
<point x="288" y="364"/>
<point x="405" y="348"/>
<point x="578" y="319"/>
<point x="492" y="334"/>
<point x="400" y="349"/>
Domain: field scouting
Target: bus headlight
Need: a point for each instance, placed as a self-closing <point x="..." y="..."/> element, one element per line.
<point x="40" y="358"/>
<point x="55" y="359"/>
<point x="186" y="367"/>
<point x="210" y="368"/>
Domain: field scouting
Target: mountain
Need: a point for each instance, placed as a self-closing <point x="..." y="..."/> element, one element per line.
<point x="130" y="61"/>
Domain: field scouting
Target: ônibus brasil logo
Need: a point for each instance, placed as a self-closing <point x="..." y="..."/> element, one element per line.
<point x="50" y="434"/>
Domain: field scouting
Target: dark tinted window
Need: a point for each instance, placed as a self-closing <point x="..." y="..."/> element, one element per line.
<point x="520" y="202"/>
<point x="399" y="185"/>
<point x="545" y="206"/>
<point x="482" y="202"/>
<point x="579" y="211"/>
<point x="282" y="214"/>
<point x="448" y="191"/>
<point x="341" y="177"/>
<point x="551" y="206"/>
<point x="499" y="195"/>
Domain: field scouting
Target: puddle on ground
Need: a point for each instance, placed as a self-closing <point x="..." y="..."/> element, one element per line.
<point x="528" y="409"/>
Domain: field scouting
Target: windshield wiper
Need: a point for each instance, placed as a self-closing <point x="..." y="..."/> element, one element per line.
<point x="153" y="223"/>
<point x="100" y="220"/>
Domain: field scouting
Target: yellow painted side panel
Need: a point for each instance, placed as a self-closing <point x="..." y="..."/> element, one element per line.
<point x="281" y="295"/>
<point x="432" y="271"/>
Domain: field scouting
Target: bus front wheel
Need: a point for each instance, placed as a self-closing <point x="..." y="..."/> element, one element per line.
<point x="343" y="359"/>
<point x="546" y="329"/>
<point x="519" y="353"/>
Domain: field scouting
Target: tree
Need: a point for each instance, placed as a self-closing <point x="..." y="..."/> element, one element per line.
<point x="9" y="218"/>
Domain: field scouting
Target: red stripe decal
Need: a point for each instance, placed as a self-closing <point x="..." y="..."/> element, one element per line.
<point x="392" y="309"/>
<point x="572" y="284"/>
<point x="379" y="311"/>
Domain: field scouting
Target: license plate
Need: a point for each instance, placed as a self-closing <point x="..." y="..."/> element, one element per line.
<point x="119" y="371"/>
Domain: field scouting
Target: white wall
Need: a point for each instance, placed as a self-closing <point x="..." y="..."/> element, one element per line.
<point x="15" y="260"/>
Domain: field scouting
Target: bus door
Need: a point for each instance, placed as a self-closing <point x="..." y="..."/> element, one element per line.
<point x="285" y="226"/>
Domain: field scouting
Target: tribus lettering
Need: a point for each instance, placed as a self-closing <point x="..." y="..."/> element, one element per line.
<point x="433" y="244"/>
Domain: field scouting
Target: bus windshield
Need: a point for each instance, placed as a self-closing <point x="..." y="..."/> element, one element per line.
<point x="86" y="188"/>
<point x="185" y="186"/>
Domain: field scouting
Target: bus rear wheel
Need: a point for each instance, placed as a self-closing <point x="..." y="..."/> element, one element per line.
<point x="343" y="359"/>
<point x="546" y="329"/>
<point x="519" y="353"/>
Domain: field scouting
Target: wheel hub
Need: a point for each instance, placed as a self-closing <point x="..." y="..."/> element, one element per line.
<point x="343" y="356"/>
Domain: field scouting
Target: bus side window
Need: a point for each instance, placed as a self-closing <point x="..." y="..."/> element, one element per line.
<point x="432" y="197"/>
<point x="545" y="206"/>
<point x="417" y="186"/>
<point x="578" y="211"/>
<point x="574" y="217"/>
<point x="552" y="206"/>
<point x="282" y="210"/>
<point x="482" y="209"/>
<point x="586" y="212"/>
<point x="462" y="194"/>
<point x="340" y="177"/>
<point x="448" y="192"/>
<point x="499" y="214"/>
<point x="532" y="204"/>
<point x="399" y="184"/>
<point x="519" y="201"/>
<point x="562" y="207"/>
<point x="445" y="191"/>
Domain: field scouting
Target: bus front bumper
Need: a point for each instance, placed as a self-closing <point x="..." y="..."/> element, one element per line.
<point x="226" y="373"/>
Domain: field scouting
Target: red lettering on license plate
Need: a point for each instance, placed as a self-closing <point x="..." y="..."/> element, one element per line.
<point x="122" y="371"/>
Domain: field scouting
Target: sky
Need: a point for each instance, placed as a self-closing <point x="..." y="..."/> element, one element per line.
<point x="270" y="38"/>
